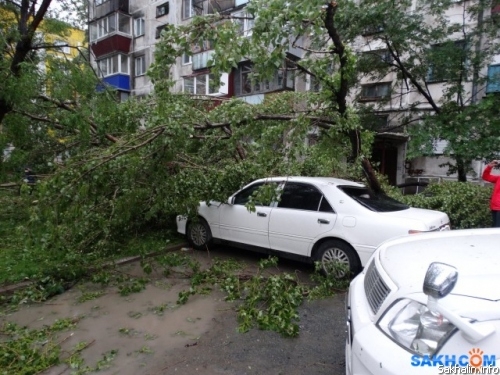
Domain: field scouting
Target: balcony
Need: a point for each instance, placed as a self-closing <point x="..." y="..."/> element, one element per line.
<point x="495" y="7"/>
<point x="114" y="43"/>
<point x="101" y="8"/>
<point x="119" y="81"/>
<point x="245" y="84"/>
<point x="201" y="59"/>
<point x="213" y="6"/>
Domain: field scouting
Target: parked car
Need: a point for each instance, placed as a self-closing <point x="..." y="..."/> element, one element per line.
<point x="427" y="305"/>
<point x="328" y="220"/>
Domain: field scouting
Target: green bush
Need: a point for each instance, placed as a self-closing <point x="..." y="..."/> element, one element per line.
<point x="466" y="204"/>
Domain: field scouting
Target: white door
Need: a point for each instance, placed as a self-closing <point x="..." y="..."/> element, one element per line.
<point x="239" y="225"/>
<point x="301" y="216"/>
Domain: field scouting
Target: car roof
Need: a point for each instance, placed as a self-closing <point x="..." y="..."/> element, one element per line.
<point x="313" y="180"/>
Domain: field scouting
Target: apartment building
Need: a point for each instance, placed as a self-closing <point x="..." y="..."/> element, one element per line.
<point x="68" y="45"/>
<point x="399" y="97"/>
<point x="123" y="35"/>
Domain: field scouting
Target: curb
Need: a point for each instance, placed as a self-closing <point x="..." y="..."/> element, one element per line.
<point x="9" y="289"/>
<point x="168" y="249"/>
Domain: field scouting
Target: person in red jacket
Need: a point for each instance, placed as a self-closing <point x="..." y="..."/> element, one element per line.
<point x="495" y="196"/>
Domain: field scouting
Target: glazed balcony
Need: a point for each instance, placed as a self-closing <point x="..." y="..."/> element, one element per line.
<point x="101" y="8"/>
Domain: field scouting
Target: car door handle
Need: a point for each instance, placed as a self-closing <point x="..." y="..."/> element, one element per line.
<point x="261" y="214"/>
<point x="323" y="221"/>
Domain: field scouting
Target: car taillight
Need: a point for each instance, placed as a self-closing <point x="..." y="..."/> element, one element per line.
<point x="415" y="231"/>
<point x="440" y="229"/>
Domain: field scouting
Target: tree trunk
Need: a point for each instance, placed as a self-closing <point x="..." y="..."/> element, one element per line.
<point x="341" y="98"/>
<point x="4" y="109"/>
<point x="28" y="22"/>
<point x="461" y="170"/>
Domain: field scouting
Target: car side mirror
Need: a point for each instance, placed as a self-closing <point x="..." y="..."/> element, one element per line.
<point x="230" y="200"/>
<point x="440" y="280"/>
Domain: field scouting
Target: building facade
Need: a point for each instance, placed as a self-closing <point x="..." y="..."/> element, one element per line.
<point x="395" y="97"/>
<point x="123" y="35"/>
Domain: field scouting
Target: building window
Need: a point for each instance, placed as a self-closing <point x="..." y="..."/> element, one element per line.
<point x="245" y="22"/>
<point x="62" y="46"/>
<point x="140" y="65"/>
<point x="245" y="82"/>
<point x="376" y="91"/>
<point x="199" y="85"/>
<point x="110" y="25"/>
<point x="123" y="23"/>
<point x="159" y="29"/>
<point x="124" y="96"/>
<point x="378" y="55"/>
<point x="313" y="84"/>
<point x="371" y="61"/>
<point x="139" y="26"/>
<point x="376" y="123"/>
<point x="447" y="62"/>
<point x="203" y="60"/>
<point x="188" y="10"/>
<point x="162" y="10"/>
<point x="186" y="59"/>
<point x="493" y="84"/>
<point x="201" y="46"/>
<point x="372" y="30"/>
<point x="113" y="65"/>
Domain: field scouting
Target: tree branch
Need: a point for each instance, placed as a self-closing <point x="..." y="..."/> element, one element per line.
<point x="322" y="122"/>
<point x="66" y="107"/>
<point x="407" y="74"/>
<point x="118" y="154"/>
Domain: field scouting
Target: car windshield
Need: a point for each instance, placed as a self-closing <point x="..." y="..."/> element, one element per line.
<point x="374" y="202"/>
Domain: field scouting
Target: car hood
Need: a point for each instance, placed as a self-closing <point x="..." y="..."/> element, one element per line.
<point x="432" y="219"/>
<point x="475" y="254"/>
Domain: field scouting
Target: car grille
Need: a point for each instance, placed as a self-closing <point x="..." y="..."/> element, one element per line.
<point x="375" y="289"/>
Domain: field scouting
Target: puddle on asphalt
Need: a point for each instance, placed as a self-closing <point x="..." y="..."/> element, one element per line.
<point x="141" y="327"/>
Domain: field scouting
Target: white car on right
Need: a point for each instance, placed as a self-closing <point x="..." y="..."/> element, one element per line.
<point x="427" y="304"/>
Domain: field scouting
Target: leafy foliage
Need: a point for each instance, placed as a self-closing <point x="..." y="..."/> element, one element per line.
<point x="13" y="214"/>
<point x="466" y="204"/>
<point x="103" y="198"/>
<point x="30" y="351"/>
<point x="50" y="271"/>
<point x="267" y="301"/>
<point x="271" y="303"/>
<point x="472" y="132"/>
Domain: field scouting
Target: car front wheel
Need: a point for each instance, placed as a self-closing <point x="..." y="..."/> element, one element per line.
<point x="199" y="234"/>
<point x="337" y="258"/>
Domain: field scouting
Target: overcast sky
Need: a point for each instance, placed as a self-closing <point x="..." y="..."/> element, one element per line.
<point x="55" y="10"/>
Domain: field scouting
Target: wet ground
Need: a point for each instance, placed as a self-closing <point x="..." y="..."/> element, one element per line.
<point x="153" y="335"/>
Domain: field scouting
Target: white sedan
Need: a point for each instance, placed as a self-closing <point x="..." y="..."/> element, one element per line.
<point x="427" y="305"/>
<point x="328" y="220"/>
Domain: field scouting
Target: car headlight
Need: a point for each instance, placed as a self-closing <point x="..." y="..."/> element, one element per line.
<point x="416" y="328"/>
